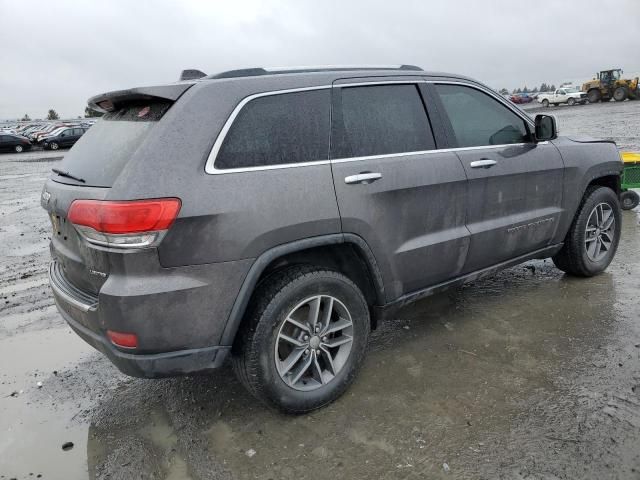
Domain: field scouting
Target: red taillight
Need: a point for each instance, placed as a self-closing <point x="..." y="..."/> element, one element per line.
<point x="123" y="340"/>
<point x="135" y="216"/>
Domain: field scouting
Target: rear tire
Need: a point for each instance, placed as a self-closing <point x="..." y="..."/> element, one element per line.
<point x="629" y="200"/>
<point x="593" y="237"/>
<point x="290" y="361"/>
<point x="54" y="146"/>
<point x="620" y="94"/>
<point x="545" y="103"/>
<point x="18" y="148"/>
<point x="594" y="95"/>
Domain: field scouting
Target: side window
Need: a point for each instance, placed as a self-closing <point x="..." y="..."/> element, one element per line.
<point x="78" y="131"/>
<point x="380" y="120"/>
<point x="278" y="129"/>
<point x="478" y="119"/>
<point x="65" y="133"/>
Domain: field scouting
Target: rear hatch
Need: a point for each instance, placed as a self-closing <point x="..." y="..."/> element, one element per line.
<point x="89" y="170"/>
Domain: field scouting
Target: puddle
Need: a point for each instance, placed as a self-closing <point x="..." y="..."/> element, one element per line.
<point x="36" y="423"/>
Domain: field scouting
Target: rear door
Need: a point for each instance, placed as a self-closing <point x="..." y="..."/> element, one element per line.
<point x="515" y="185"/>
<point x="395" y="190"/>
<point x="77" y="133"/>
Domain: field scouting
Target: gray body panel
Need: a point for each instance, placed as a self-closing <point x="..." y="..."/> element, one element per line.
<point x="515" y="205"/>
<point x="413" y="218"/>
<point x="430" y="222"/>
<point x="584" y="162"/>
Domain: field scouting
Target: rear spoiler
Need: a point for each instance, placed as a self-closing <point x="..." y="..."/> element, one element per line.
<point x="111" y="101"/>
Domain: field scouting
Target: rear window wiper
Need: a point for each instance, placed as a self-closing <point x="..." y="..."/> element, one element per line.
<point x="62" y="173"/>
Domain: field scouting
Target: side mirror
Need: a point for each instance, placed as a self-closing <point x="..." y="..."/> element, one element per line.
<point x="546" y="128"/>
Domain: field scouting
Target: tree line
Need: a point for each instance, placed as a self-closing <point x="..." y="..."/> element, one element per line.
<point x="53" y="115"/>
<point x="543" y="88"/>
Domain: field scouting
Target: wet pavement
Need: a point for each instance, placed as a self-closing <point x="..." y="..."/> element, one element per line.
<point x="526" y="375"/>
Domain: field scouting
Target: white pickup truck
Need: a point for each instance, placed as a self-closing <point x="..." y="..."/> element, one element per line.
<point x="569" y="95"/>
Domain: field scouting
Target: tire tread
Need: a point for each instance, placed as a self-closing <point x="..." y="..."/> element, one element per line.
<point x="569" y="259"/>
<point x="245" y="357"/>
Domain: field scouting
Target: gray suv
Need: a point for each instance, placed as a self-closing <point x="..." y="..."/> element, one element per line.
<point x="275" y="217"/>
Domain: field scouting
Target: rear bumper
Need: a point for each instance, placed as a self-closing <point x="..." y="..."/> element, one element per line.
<point x="157" y="365"/>
<point x="177" y="314"/>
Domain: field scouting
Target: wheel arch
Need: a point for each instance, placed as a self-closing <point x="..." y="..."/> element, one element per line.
<point x="610" y="181"/>
<point x="346" y="253"/>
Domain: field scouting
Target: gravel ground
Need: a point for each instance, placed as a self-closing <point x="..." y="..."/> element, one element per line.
<point x="529" y="374"/>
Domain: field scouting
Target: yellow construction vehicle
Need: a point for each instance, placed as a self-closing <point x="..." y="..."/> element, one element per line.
<point x="609" y="84"/>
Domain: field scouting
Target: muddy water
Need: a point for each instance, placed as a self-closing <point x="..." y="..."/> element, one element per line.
<point x="529" y="374"/>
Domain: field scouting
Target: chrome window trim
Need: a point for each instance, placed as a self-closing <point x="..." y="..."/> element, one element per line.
<point x="426" y="152"/>
<point x="212" y="170"/>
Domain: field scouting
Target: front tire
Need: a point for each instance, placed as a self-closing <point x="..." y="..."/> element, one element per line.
<point x="593" y="237"/>
<point x="303" y="340"/>
<point x="571" y="102"/>
<point x="594" y="95"/>
<point x="620" y="94"/>
<point x="629" y="200"/>
<point x="54" y="146"/>
<point x="18" y="148"/>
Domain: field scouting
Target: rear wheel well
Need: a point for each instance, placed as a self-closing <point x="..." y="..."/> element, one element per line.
<point x="610" y="181"/>
<point x="345" y="258"/>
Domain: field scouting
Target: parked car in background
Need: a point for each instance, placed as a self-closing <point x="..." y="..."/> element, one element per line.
<point x="568" y="95"/>
<point x="14" y="143"/>
<point x="267" y="244"/>
<point x="40" y="133"/>
<point x="521" y="98"/>
<point x="63" y="138"/>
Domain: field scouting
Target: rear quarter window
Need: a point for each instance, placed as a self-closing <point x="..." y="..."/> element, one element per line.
<point x="278" y="129"/>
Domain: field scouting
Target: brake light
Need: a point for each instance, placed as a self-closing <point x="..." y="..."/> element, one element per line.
<point x="124" y="224"/>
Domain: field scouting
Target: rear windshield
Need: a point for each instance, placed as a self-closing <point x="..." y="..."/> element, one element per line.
<point x="104" y="150"/>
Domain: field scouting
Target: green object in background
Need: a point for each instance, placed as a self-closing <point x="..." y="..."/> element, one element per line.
<point x="630" y="179"/>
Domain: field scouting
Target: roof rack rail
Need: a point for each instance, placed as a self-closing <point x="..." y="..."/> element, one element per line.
<point x="254" y="72"/>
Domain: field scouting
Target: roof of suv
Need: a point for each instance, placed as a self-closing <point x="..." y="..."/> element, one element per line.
<point x="327" y="71"/>
<point x="260" y="80"/>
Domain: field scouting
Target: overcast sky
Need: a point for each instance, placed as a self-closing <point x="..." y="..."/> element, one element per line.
<point x="56" y="54"/>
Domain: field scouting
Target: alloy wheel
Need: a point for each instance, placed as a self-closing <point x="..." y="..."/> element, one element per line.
<point x="314" y="343"/>
<point x="599" y="232"/>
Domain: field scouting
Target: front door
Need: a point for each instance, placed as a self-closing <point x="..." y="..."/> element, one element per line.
<point x="515" y="185"/>
<point x="403" y="197"/>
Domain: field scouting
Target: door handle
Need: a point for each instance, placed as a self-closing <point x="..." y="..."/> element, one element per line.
<point x="484" y="163"/>
<point x="362" y="178"/>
